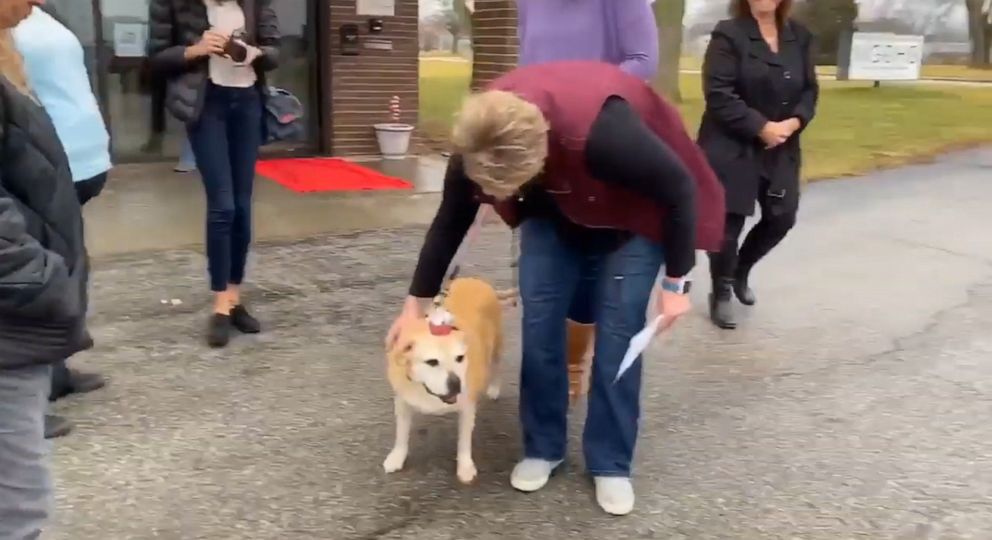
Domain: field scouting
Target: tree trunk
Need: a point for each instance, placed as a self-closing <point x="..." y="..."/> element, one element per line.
<point x="668" y="15"/>
<point x="980" y="30"/>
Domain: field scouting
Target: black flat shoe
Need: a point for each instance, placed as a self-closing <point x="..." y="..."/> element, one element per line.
<point x="742" y="290"/>
<point x="219" y="330"/>
<point x="83" y="383"/>
<point x="244" y="322"/>
<point x="56" y="426"/>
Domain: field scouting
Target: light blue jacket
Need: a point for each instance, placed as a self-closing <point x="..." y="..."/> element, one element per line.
<point x="56" y="70"/>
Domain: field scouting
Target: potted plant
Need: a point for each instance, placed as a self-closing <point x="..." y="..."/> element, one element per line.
<point x="393" y="137"/>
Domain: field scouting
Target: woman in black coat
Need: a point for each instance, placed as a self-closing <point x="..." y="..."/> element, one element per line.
<point x="214" y="55"/>
<point x="760" y="86"/>
<point x="44" y="271"/>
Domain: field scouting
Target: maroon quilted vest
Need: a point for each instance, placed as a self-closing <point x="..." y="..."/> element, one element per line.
<point x="571" y="95"/>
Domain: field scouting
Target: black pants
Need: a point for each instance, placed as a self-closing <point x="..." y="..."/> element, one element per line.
<point x="85" y="191"/>
<point x="775" y="223"/>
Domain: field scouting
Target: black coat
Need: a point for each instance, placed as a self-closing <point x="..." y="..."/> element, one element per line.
<point x="44" y="268"/>
<point x="746" y="85"/>
<point x="177" y="24"/>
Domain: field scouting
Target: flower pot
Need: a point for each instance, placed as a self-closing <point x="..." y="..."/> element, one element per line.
<point x="394" y="139"/>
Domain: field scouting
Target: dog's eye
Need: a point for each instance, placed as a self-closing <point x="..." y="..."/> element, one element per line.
<point x="460" y="358"/>
<point x="432" y="363"/>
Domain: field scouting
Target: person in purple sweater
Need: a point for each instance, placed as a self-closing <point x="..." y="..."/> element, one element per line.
<point x="620" y="32"/>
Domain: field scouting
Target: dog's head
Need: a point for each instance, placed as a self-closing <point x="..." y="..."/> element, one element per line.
<point x="434" y="360"/>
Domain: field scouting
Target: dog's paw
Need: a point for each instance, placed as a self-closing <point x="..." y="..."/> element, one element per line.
<point x="493" y="392"/>
<point x="467" y="471"/>
<point x="394" y="461"/>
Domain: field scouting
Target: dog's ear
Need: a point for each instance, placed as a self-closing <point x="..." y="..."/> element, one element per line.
<point x="400" y="354"/>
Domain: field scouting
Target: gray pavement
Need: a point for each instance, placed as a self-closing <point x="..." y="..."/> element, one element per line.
<point x="854" y="401"/>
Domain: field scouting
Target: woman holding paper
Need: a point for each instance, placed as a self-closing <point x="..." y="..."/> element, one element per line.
<point x="597" y="177"/>
<point x="622" y="33"/>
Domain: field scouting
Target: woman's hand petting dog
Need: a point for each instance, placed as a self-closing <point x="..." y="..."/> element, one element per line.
<point x="411" y="311"/>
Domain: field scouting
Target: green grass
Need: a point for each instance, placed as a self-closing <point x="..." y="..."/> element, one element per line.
<point x="858" y="128"/>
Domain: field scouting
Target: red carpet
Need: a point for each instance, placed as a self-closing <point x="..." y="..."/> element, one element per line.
<point x="309" y="175"/>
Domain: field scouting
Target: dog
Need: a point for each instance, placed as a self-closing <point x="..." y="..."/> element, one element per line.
<point x="444" y="363"/>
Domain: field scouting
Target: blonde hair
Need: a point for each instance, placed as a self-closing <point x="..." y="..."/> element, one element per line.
<point x="503" y="141"/>
<point x="11" y="62"/>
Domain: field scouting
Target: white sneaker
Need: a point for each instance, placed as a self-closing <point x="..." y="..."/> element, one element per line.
<point x="532" y="474"/>
<point x="615" y="494"/>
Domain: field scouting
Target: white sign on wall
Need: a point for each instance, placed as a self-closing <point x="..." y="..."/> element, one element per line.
<point x="877" y="56"/>
<point x="130" y="40"/>
<point x="376" y="8"/>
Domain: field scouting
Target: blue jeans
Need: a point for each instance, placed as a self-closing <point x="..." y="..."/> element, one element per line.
<point x="225" y="141"/>
<point x="551" y="272"/>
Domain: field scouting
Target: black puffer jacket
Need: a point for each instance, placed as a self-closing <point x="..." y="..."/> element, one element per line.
<point x="177" y="24"/>
<point x="43" y="264"/>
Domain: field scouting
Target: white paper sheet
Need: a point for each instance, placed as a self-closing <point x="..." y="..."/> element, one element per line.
<point x="638" y="344"/>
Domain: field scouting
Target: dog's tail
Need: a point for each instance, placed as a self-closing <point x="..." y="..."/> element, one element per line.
<point x="509" y="297"/>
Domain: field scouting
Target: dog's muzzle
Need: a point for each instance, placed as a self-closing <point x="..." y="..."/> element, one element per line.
<point x="454" y="387"/>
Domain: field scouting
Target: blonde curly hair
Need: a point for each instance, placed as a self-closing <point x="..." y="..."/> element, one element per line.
<point x="503" y="141"/>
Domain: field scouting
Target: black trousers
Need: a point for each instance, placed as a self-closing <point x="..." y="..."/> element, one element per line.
<point x="775" y="224"/>
<point x="85" y="190"/>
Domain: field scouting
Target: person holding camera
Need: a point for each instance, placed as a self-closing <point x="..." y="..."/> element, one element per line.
<point x="214" y="54"/>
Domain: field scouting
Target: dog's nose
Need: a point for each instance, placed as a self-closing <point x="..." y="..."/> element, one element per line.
<point x="454" y="384"/>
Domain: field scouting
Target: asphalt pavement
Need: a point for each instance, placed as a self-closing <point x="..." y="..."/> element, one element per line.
<point x="853" y="402"/>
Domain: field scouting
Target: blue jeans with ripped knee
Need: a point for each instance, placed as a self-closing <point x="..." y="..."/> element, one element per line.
<point x="551" y="273"/>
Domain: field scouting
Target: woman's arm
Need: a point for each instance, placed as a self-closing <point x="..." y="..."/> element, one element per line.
<point x="721" y="68"/>
<point x="806" y="108"/>
<point x="638" y="37"/>
<point x="268" y="36"/>
<point x="33" y="280"/>
<point x="453" y="220"/>
<point x="621" y="150"/>
<point x="164" y="56"/>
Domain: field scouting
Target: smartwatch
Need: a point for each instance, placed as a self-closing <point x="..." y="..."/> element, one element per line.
<point x="677" y="286"/>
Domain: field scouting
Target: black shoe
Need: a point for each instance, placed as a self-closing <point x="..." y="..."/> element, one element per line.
<point x="741" y="289"/>
<point x="84" y="383"/>
<point x="721" y="304"/>
<point x="56" y="426"/>
<point x="244" y="322"/>
<point x="219" y="330"/>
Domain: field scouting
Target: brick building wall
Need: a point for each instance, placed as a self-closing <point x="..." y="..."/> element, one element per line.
<point x="494" y="39"/>
<point x="357" y="89"/>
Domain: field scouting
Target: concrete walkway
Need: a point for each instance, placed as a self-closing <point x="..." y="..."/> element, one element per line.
<point x="854" y="402"/>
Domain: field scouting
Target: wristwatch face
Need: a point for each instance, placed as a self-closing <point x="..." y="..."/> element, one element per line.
<point x="677" y="287"/>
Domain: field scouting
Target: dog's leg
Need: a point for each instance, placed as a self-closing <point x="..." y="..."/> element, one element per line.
<point x="495" y="378"/>
<point x="404" y="419"/>
<point x="466" y="425"/>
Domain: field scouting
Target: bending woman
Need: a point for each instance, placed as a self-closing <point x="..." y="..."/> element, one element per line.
<point x="621" y="179"/>
<point x="215" y="57"/>
<point x="622" y="33"/>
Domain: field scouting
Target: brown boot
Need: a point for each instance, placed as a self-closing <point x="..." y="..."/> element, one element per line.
<point x="578" y="351"/>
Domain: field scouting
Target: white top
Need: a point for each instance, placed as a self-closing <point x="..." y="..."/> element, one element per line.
<point x="227" y="18"/>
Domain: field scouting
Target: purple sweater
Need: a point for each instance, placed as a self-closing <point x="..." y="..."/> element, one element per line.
<point x="621" y="32"/>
